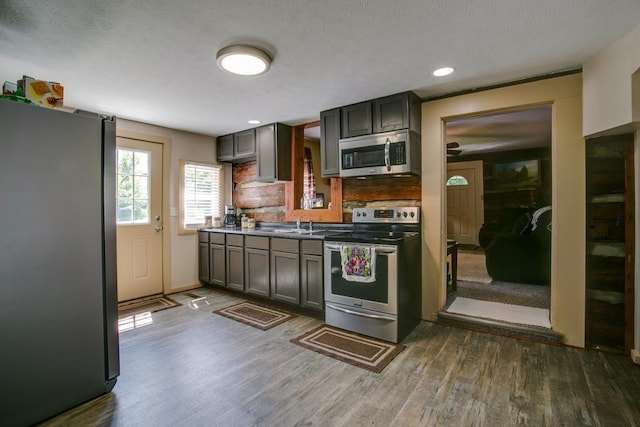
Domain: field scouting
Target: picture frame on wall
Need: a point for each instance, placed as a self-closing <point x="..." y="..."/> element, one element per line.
<point x="515" y="175"/>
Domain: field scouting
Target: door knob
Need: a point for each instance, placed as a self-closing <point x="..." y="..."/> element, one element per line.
<point x="158" y="228"/>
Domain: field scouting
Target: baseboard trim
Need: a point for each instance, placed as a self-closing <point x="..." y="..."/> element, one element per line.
<point x="635" y="356"/>
<point x="183" y="288"/>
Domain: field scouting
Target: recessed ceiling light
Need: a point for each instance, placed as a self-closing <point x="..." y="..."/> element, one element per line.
<point x="254" y="122"/>
<point x="444" y="71"/>
<point x="243" y="60"/>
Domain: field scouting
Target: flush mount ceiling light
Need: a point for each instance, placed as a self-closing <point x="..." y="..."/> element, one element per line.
<point x="243" y="60"/>
<point x="254" y="122"/>
<point x="444" y="71"/>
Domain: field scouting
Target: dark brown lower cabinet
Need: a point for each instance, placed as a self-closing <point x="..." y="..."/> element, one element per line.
<point x="285" y="270"/>
<point x="217" y="257"/>
<point x="610" y="243"/>
<point x="311" y="275"/>
<point x="235" y="262"/>
<point x="256" y="265"/>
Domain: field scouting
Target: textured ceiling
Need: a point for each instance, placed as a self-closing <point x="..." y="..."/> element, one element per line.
<point x="154" y="61"/>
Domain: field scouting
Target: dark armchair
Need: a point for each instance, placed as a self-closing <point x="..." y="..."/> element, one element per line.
<point x="524" y="254"/>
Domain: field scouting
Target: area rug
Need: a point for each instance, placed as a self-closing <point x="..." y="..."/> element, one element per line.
<point x="500" y="311"/>
<point x="355" y="349"/>
<point x="258" y="316"/>
<point x="143" y="305"/>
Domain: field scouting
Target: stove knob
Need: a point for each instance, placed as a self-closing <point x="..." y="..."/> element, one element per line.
<point x="398" y="214"/>
<point x="364" y="214"/>
<point x="404" y="214"/>
<point x="358" y="214"/>
<point x="411" y="214"/>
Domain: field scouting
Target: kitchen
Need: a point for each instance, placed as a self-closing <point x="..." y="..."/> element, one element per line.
<point x="180" y="270"/>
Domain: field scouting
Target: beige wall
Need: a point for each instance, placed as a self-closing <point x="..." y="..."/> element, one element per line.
<point x="180" y="252"/>
<point x="568" y="198"/>
<point x="609" y="87"/>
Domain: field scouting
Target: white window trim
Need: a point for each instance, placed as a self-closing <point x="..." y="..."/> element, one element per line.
<point x="192" y="229"/>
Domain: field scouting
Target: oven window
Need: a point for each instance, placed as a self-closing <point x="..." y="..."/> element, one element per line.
<point x="377" y="291"/>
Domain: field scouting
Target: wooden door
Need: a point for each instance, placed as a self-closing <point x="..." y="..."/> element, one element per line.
<point x="463" y="182"/>
<point x="139" y="221"/>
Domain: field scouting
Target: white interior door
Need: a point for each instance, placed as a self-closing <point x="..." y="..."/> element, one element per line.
<point x="464" y="189"/>
<point x="139" y="221"/>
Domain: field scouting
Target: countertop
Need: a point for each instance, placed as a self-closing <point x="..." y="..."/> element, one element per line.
<point x="286" y="232"/>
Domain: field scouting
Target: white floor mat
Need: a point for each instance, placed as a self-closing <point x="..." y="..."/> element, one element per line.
<point x="500" y="311"/>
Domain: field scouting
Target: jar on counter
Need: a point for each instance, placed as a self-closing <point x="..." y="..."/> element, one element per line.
<point x="251" y="224"/>
<point x="217" y="222"/>
<point x="244" y="221"/>
<point x="207" y="221"/>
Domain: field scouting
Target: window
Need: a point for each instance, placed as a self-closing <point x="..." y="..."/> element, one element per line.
<point x="200" y="193"/>
<point x="133" y="182"/>
<point x="457" y="180"/>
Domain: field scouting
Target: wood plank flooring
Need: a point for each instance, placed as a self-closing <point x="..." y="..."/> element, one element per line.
<point x="194" y="368"/>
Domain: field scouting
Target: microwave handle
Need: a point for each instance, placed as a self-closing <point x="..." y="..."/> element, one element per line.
<point x="387" y="161"/>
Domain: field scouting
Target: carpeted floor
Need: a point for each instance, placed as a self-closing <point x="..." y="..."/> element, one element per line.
<point x="475" y="283"/>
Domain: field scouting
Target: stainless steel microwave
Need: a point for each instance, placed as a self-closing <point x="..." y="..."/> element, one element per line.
<point x="394" y="153"/>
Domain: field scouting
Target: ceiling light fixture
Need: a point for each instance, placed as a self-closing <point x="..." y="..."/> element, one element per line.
<point x="243" y="60"/>
<point x="254" y="122"/>
<point x="444" y="71"/>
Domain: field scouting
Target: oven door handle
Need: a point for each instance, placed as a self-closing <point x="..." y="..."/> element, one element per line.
<point x="378" y="250"/>
<point x="387" y="161"/>
<point x="357" y="313"/>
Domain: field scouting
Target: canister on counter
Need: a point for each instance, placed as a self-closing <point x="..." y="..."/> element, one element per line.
<point x="217" y="222"/>
<point x="207" y="221"/>
<point x="251" y="223"/>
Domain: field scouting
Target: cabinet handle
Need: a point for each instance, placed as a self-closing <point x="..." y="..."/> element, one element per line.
<point x="357" y="313"/>
<point x="387" y="162"/>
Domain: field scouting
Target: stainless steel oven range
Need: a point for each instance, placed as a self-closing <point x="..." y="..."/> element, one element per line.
<point x="373" y="274"/>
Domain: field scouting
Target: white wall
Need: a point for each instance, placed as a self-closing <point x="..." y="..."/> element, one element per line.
<point x="608" y="105"/>
<point x="181" y="261"/>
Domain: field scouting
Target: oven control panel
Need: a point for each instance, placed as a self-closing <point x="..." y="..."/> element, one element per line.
<point x="406" y="215"/>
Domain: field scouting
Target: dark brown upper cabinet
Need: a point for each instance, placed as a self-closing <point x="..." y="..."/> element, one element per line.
<point x="395" y="112"/>
<point x="225" y="148"/>
<point x="356" y="120"/>
<point x="329" y="142"/>
<point x="244" y="144"/>
<point x="273" y="143"/>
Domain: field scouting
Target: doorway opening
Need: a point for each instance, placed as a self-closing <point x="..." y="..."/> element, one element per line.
<point x="499" y="215"/>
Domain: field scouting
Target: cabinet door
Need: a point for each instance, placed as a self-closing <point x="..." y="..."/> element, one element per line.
<point x="329" y="142"/>
<point x="266" y="153"/>
<point x="225" y="148"/>
<point x="203" y="262"/>
<point x="217" y="265"/>
<point x="244" y="144"/>
<point x="235" y="268"/>
<point x="256" y="270"/>
<point x="391" y="113"/>
<point x="311" y="282"/>
<point x="356" y="120"/>
<point x="285" y="277"/>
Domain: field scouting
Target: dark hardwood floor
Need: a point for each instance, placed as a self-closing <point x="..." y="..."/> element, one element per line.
<point x="194" y="368"/>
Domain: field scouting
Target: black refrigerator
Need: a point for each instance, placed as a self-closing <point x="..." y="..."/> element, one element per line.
<point x="58" y="298"/>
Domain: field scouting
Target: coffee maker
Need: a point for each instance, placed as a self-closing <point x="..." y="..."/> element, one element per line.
<point x="229" y="216"/>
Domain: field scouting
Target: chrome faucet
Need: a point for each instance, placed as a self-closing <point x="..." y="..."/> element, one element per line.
<point x="310" y="226"/>
<point x="298" y="224"/>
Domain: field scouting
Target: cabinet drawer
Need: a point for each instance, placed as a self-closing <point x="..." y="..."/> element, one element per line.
<point x="256" y="242"/>
<point x="203" y="236"/>
<point x="312" y="247"/>
<point x="216" y="238"/>
<point x="285" y="245"/>
<point x="235" y="240"/>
